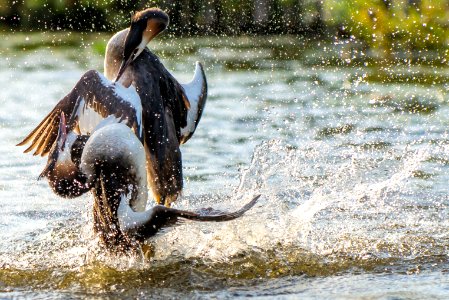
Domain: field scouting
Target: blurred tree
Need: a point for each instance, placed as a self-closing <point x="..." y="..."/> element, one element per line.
<point x="390" y="26"/>
<point x="13" y="17"/>
<point x="293" y="16"/>
<point x="217" y="27"/>
<point x="317" y="24"/>
<point x="261" y="11"/>
<point x="416" y="4"/>
<point x="385" y="25"/>
<point x="387" y="3"/>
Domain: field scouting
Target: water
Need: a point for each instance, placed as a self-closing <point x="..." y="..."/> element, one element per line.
<point x="351" y="159"/>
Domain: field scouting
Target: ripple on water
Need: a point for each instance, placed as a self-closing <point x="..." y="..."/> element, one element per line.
<point x="364" y="203"/>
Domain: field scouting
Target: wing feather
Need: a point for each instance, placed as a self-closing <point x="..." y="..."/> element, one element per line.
<point x="98" y="94"/>
<point x="43" y="145"/>
<point x="107" y="98"/>
<point x="45" y="136"/>
<point x="36" y="130"/>
<point x="48" y="126"/>
<point x="196" y="94"/>
<point x="39" y="134"/>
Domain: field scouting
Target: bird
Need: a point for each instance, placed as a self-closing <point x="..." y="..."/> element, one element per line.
<point x="170" y="111"/>
<point x="110" y="162"/>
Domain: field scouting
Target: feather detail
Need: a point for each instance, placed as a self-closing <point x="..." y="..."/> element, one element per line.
<point x="196" y="94"/>
<point x="93" y="99"/>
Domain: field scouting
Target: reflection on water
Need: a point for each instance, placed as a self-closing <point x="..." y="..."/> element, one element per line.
<point x="352" y="164"/>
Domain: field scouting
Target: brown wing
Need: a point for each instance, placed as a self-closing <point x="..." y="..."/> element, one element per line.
<point x="94" y="92"/>
<point x="107" y="98"/>
<point x="43" y="136"/>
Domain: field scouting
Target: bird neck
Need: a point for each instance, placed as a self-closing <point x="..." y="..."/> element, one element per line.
<point x="114" y="54"/>
<point x="65" y="156"/>
<point x="65" y="178"/>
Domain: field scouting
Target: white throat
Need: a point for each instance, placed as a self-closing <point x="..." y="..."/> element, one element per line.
<point x="65" y="157"/>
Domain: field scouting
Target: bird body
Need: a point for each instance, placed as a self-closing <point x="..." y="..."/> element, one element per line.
<point x="112" y="162"/>
<point x="170" y="111"/>
<point x="123" y="136"/>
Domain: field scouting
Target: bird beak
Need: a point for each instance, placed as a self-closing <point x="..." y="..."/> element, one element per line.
<point x="62" y="133"/>
<point x="138" y="38"/>
<point x="59" y="147"/>
<point x="124" y="65"/>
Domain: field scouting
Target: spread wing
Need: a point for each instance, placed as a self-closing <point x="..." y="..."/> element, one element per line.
<point x="196" y="92"/>
<point x="93" y="99"/>
<point x="164" y="112"/>
<point x="159" y="91"/>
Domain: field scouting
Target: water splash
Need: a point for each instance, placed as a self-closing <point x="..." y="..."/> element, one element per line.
<point x="352" y="204"/>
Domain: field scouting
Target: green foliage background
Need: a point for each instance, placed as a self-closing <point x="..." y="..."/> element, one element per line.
<point x="386" y="25"/>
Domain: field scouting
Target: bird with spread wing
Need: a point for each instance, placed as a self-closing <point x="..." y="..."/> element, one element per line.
<point x="162" y="112"/>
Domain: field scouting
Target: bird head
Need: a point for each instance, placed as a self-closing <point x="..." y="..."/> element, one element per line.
<point x="145" y="25"/>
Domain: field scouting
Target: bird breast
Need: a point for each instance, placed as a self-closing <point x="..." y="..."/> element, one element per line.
<point x="116" y="148"/>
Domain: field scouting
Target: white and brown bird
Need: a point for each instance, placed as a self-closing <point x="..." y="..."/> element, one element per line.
<point x="111" y="163"/>
<point x="121" y="136"/>
<point x="144" y="95"/>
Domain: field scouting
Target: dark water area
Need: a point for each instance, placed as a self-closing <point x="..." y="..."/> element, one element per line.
<point x="349" y="152"/>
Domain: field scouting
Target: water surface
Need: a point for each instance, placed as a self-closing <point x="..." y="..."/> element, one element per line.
<point x="350" y="155"/>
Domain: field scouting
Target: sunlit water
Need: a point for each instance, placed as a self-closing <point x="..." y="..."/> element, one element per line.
<point x="353" y="171"/>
